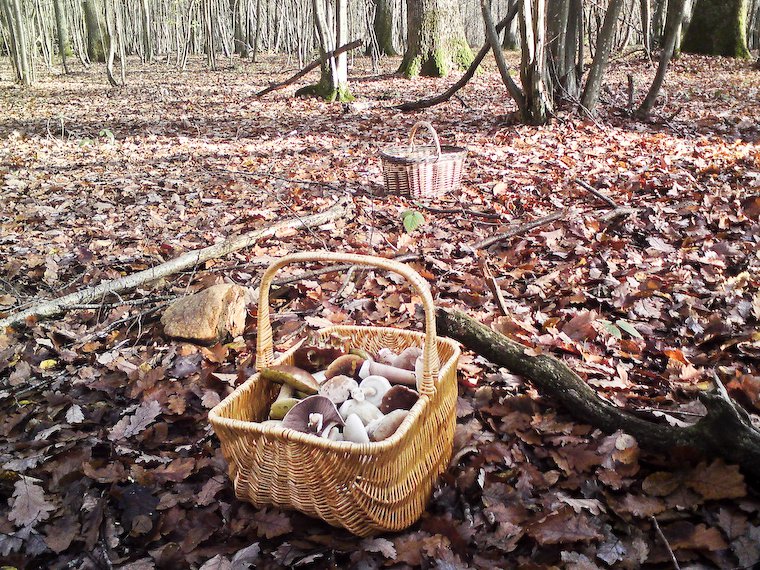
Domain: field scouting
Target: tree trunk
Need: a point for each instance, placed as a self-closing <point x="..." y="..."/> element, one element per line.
<point x="658" y="22"/>
<point x="534" y="74"/>
<point x="646" y="25"/>
<point x="147" y="37"/>
<point x="601" y="57"/>
<point x="63" y="33"/>
<point x="512" y="33"/>
<point x="436" y="42"/>
<point x="676" y="12"/>
<point x="718" y="27"/>
<point x="95" y="36"/>
<point x="111" y="26"/>
<point x="383" y="27"/>
<point x="333" y="82"/>
<point x="18" y="39"/>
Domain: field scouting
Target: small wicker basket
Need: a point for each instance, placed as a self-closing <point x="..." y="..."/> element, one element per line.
<point x="422" y="171"/>
<point x="365" y="488"/>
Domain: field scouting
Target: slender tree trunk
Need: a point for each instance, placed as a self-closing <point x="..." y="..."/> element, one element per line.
<point x="63" y="33"/>
<point x="645" y="7"/>
<point x="676" y="12"/>
<point x="18" y="39"/>
<point x="436" y="42"/>
<point x="147" y="37"/>
<point x="601" y="57"/>
<point x="512" y="32"/>
<point x="718" y="27"/>
<point x="533" y="69"/>
<point x="658" y="22"/>
<point x="111" y="26"/>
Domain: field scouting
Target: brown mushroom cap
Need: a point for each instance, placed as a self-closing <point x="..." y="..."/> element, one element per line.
<point x="298" y="378"/>
<point x="338" y="388"/>
<point x="314" y="358"/>
<point x="398" y="398"/>
<point x="301" y="416"/>
<point x="386" y="426"/>
<point x="346" y="365"/>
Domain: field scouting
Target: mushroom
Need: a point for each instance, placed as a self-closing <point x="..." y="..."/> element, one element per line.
<point x="354" y="430"/>
<point x="386" y="426"/>
<point x="393" y="374"/>
<point x="271" y="423"/>
<point x="386" y="356"/>
<point x="312" y="358"/>
<point x="361" y="407"/>
<point x="315" y="414"/>
<point x="284" y="402"/>
<point x="407" y="358"/>
<point x="374" y="388"/>
<point x="398" y="398"/>
<point x="293" y="376"/>
<point x="333" y="433"/>
<point x="319" y="377"/>
<point x="338" y="388"/>
<point x="346" y="365"/>
<point x="360" y="352"/>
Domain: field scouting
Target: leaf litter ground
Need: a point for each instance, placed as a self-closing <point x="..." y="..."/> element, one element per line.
<point x="106" y="457"/>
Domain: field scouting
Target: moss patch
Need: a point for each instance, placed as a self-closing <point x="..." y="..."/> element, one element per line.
<point x="718" y="27"/>
<point x="325" y="91"/>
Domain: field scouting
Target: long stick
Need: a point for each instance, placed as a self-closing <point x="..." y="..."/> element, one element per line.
<point x="313" y="65"/>
<point x="184" y="261"/>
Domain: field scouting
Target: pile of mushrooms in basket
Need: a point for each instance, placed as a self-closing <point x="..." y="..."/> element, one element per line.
<point x="345" y="396"/>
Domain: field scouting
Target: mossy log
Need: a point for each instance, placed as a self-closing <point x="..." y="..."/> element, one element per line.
<point x="725" y="431"/>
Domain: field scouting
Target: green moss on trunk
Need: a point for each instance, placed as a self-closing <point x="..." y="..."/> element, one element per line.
<point x="325" y="91"/>
<point x="718" y="27"/>
<point x="453" y="55"/>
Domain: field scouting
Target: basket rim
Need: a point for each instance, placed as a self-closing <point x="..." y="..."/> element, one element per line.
<point x="396" y="153"/>
<point x="344" y="447"/>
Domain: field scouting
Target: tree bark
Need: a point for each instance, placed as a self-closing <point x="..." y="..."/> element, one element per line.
<point x="645" y="9"/>
<point x="718" y="27"/>
<point x="340" y="209"/>
<point x="436" y="42"/>
<point x="62" y="32"/>
<point x="676" y="12"/>
<point x="95" y="40"/>
<point x="539" y="99"/>
<point x="383" y="26"/>
<point x="147" y="37"/>
<point x="601" y="57"/>
<point x="512" y="33"/>
<point x="19" y="48"/>
<point x="725" y="431"/>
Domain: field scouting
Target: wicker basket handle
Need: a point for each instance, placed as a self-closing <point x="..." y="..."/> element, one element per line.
<point x="432" y="132"/>
<point x="430" y="359"/>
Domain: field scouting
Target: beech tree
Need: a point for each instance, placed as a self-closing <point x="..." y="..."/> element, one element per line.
<point x="436" y="42"/>
<point x="718" y="27"/>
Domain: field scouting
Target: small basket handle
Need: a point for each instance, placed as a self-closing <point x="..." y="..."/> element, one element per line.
<point x="432" y="132"/>
<point x="430" y="358"/>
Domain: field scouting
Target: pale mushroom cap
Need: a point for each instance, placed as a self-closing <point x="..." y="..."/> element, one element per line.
<point x="338" y="388"/>
<point x="354" y="430"/>
<point x="374" y="388"/>
<point x="386" y="426"/>
<point x="366" y="411"/>
<point x="407" y="358"/>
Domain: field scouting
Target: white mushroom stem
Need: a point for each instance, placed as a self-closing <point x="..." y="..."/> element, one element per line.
<point x="315" y="422"/>
<point x="393" y="374"/>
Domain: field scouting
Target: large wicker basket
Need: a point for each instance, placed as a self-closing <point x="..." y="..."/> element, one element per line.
<point x="365" y="488"/>
<point x="422" y="171"/>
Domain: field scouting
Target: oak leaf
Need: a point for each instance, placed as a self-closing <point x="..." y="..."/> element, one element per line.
<point x="28" y="503"/>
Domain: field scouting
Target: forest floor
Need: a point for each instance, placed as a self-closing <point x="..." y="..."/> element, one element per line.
<point x="98" y="183"/>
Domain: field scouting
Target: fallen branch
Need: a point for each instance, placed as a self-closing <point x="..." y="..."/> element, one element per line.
<point x="603" y="197"/>
<point x="465" y="79"/>
<point x="313" y="65"/>
<point x="190" y="259"/>
<point x="520" y="229"/>
<point x="726" y="430"/>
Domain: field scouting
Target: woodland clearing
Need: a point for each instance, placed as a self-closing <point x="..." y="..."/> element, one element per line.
<point x="646" y="306"/>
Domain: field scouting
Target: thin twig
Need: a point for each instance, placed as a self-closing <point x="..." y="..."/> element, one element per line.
<point x="667" y="544"/>
<point x="603" y="197"/>
<point x="520" y="229"/>
<point x="487" y="215"/>
<point x="494" y="287"/>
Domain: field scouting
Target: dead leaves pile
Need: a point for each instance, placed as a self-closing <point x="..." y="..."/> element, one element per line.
<point x="106" y="457"/>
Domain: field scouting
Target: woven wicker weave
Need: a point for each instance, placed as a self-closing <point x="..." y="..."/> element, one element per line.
<point x="365" y="488"/>
<point x="422" y="171"/>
